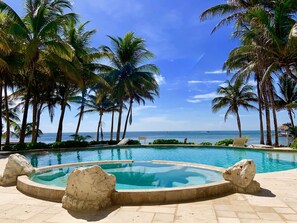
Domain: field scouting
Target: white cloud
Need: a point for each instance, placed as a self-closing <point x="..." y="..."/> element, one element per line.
<point x="202" y="97"/>
<point x="215" y="72"/>
<point x="194" y="100"/>
<point x="160" y="79"/>
<point x="205" y="82"/>
<point x="139" y="109"/>
<point x="206" y="96"/>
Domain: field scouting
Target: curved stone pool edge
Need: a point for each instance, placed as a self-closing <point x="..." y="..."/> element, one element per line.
<point x="133" y="197"/>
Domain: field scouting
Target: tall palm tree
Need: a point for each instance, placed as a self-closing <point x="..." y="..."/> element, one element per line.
<point x="126" y="59"/>
<point x="38" y="31"/>
<point x="76" y="35"/>
<point x="234" y="96"/>
<point x="143" y="89"/>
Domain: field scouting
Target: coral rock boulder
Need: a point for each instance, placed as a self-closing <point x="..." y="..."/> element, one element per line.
<point x="16" y="165"/>
<point x="88" y="189"/>
<point x="241" y="175"/>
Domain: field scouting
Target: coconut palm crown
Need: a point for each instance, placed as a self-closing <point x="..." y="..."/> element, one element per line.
<point x="234" y="96"/>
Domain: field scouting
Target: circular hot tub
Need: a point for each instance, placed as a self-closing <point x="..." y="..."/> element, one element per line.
<point x="136" y="182"/>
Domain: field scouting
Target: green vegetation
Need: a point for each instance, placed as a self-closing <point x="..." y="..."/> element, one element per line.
<point x="64" y="144"/>
<point x="266" y="31"/>
<point x="26" y="146"/>
<point x="134" y="142"/>
<point x="205" y="144"/>
<point x="224" y="142"/>
<point x="170" y="141"/>
<point x="48" y="60"/>
<point x="294" y="144"/>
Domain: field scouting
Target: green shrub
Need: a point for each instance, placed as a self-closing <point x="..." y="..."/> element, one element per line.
<point x="166" y="141"/>
<point x="113" y="142"/>
<point x="224" y="142"/>
<point x="20" y="146"/>
<point x="294" y="144"/>
<point x="38" y="145"/>
<point x="69" y="144"/>
<point x="134" y="142"/>
<point x="8" y="148"/>
<point x="205" y="144"/>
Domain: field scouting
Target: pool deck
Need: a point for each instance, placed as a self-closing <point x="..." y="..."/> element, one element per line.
<point x="276" y="203"/>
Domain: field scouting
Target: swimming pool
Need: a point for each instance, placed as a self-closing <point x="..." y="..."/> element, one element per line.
<point x="266" y="161"/>
<point x="138" y="175"/>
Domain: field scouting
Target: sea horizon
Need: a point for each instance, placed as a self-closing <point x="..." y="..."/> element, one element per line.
<point x="196" y="137"/>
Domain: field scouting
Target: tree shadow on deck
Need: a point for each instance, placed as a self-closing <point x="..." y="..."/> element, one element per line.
<point x="265" y="193"/>
<point x="95" y="215"/>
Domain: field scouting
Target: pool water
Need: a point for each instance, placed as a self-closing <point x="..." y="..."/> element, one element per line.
<point x="266" y="161"/>
<point x="138" y="175"/>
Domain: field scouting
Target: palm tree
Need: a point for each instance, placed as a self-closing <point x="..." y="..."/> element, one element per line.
<point x="287" y="97"/>
<point x="234" y="96"/>
<point x="235" y="11"/>
<point x="100" y="105"/>
<point x="38" y="31"/>
<point x="76" y="35"/>
<point x="126" y="59"/>
<point x="143" y="89"/>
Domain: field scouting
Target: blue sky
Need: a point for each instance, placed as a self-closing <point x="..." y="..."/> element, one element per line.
<point x="188" y="56"/>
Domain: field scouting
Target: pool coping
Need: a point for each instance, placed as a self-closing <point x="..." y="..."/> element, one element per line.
<point x="133" y="197"/>
<point x="100" y="146"/>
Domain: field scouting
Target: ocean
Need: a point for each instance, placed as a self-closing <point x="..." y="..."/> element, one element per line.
<point x="192" y="136"/>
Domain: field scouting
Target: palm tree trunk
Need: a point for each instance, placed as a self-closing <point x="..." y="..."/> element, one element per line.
<point x="260" y="111"/>
<point x="34" y="119"/>
<point x="82" y="108"/>
<point x="276" y="143"/>
<point x="238" y="123"/>
<point x="38" y="120"/>
<point x="1" y="101"/>
<point x="291" y="117"/>
<point x="111" y="129"/>
<point x="25" y="115"/>
<point x="119" y="121"/>
<point x="99" y="124"/>
<point x="79" y="121"/>
<point x="127" y="118"/>
<point x="267" y="115"/>
<point x="102" y="135"/>
<point x="7" y="141"/>
<point x="60" y="127"/>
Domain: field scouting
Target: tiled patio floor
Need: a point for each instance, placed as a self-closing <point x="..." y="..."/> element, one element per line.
<point x="276" y="203"/>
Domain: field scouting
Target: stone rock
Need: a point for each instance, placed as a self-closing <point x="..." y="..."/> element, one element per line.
<point x="123" y="141"/>
<point x="241" y="176"/>
<point x="16" y="165"/>
<point x="88" y="189"/>
<point x="252" y="188"/>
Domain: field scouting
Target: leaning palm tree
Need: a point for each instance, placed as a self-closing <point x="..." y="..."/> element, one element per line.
<point x="144" y="89"/>
<point x="126" y="58"/>
<point x="101" y="105"/>
<point x="234" y="96"/>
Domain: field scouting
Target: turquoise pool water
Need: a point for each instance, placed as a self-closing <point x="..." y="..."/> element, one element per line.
<point x="266" y="161"/>
<point x="138" y="175"/>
